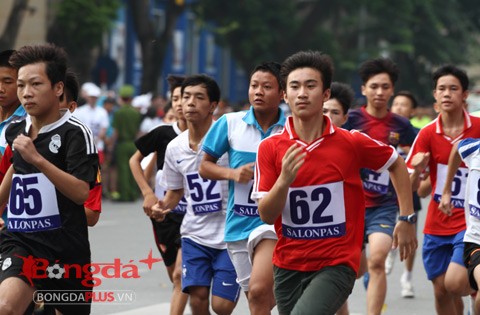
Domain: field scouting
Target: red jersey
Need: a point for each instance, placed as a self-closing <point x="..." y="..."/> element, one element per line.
<point x="432" y="139"/>
<point x="322" y="223"/>
<point x="5" y="162"/>
<point x="94" y="200"/>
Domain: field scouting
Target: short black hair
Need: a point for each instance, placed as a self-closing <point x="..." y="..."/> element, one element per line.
<point x="270" y="67"/>
<point x="344" y="94"/>
<point x="410" y="96"/>
<point x="71" y="87"/>
<point x="54" y="57"/>
<point x="5" y="56"/>
<point x="450" y="69"/>
<point x="167" y="107"/>
<point x="213" y="90"/>
<point x="309" y="59"/>
<point x="373" y="67"/>
<point x="174" y="81"/>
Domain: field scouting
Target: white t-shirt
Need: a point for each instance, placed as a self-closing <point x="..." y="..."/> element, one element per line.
<point x="469" y="150"/>
<point x="204" y="222"/>
<point x="96" y="118"/>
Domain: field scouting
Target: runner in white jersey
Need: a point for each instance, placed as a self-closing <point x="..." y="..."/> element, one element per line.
<point x="205" y="261"/>
<point x="468" y="151"/>
<point x="167" y="233"/>
<point x="250" y="241"/>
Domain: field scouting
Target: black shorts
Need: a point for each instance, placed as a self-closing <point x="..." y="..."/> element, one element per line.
<point x="48" y="276"/>
<point x="471" y="259"/>
<point x="168" y="234"/>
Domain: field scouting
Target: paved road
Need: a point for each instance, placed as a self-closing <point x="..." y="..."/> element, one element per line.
<point x="124" y="233"/>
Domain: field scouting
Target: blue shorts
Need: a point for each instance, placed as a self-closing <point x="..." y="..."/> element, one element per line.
<point x="380" y="219"/>
<point x="439" y="251"/>
<point x="205" y="266"/>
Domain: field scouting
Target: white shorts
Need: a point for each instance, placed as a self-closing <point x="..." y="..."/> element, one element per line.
<point x="241" y="252"/>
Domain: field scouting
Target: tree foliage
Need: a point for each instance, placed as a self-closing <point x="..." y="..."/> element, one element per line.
<point x="78" y="26"/>
<point x="418" y="35"/>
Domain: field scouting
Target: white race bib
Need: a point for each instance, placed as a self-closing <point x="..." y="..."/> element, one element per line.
<point x="376" y="182"/>
<point x="32" y="206"/>
<point x="474" y="194"/>
<point x="205" y="195"/>
<point x="458" y="185"/>
<point x="243" y="204"/>
<point x="314" y="212"/>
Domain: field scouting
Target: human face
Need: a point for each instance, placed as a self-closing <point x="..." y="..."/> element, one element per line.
<point x="35" y="91"/>
<point x="334" y="110"/>
<point x="402" y="106"/>
<point x="264" y="92"/>
<point x="177" y="102"/>
<point x="305" y="94"/>
<point x="378" y="90"/>
<point x="8" y="87"/>
<point x="196" y="105"/>
<point x="169" y="116"/>
<point x="449" y="94"/>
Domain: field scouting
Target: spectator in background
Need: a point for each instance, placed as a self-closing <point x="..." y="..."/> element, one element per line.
<point x="95" y="117"/>
<point x="109" y="168"/>
<point x="169" y="117"/>
<point x="404" y="104"/>
<point x="149" y="121"/>
<point x="422" y="116"/>
<point x="222" y="108"/>
<point x="142" y="102"/>
<point x="126" y="123"/>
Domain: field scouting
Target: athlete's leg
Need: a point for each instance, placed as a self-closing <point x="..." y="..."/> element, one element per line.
<point x="343" y="310"/>
<point x="199" y="300"/>
<point x="437" y="253"/>
<point x="225" y="289"/>
<point x="456" y="278"/>
<point x="15" y="296"/>
<point x="197" y="274"/>
<point x="444" y="302"/>
<point x="260" y="297"/>
<point x="476" y="275"/>
<point x="179" y="299"/>
<point x="380" y="244"/>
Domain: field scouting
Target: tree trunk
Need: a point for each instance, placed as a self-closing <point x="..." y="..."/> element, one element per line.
<point x="9" y="36"/>
<point x="153" y="46"/>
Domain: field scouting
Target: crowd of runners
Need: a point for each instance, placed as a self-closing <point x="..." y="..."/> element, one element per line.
<point x="287" y="202"/>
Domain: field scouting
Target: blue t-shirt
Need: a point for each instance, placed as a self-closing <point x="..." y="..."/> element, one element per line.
<point x="19" y="113"/>
<point x="239" y="134"/>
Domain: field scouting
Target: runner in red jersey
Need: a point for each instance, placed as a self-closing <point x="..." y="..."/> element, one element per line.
<point x="443" y="241"/>
<point x="318" y="208"/>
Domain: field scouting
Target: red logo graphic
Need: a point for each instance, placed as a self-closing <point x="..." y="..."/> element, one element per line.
<point x="40" y="268"/>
